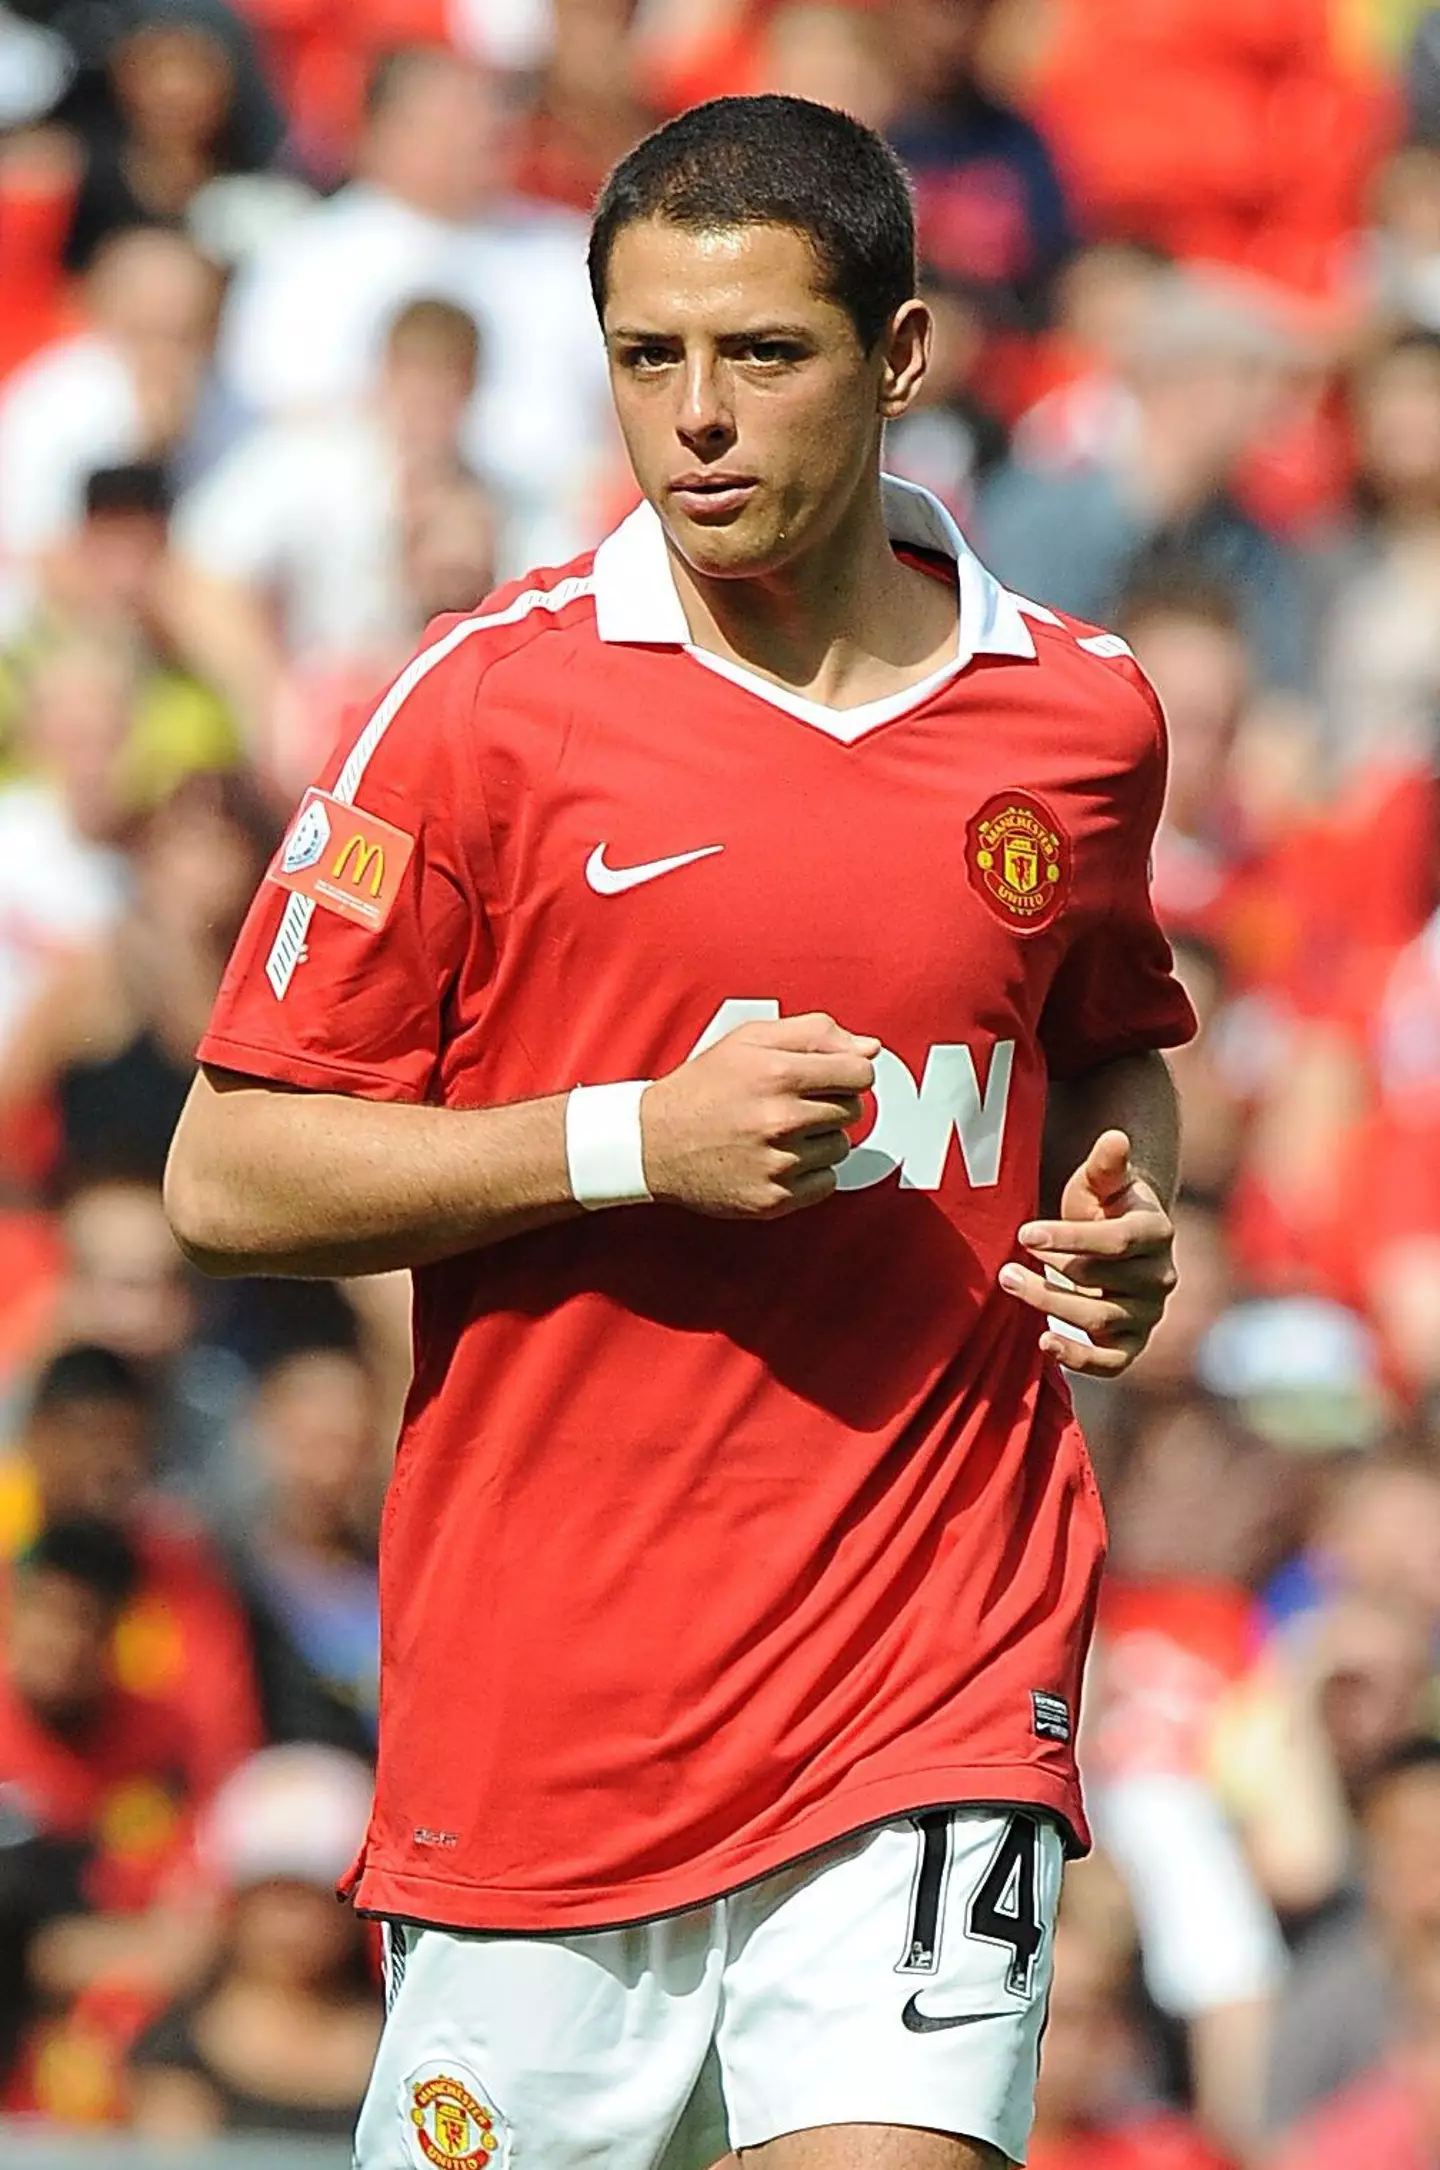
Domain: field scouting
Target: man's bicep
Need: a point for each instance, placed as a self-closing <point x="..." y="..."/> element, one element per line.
<point x="319" y="1003"/>
<point x="369" y="920"/>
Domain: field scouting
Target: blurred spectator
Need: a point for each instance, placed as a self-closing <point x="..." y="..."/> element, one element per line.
<point x="1222" y="130"/>
<point x="1099" y="300"/>
<point x="1400" y="253"/>
<point x="108" y="1042"/>
<point x="87" y="1447"/>
<point x="1396" y="1165"/>
<point x="1368" y="1660"/>
<point x="123" y="1283"/>
<point x="305" y="1564"/>
<point x="1205" y="373"/>
<point x="1392" y="2114"/>
<point x="988" y="200"/>
<point x="92" y="1781"/>
<point x="1090" y="2111"/>
<point x="1200" y="1514"/>
<point x="293" y="547"/>
<point x="173" y="85"/>
<point x="1340" y="2011"/>
<point x="447" y="563"/>
<point x="304" y="325"/>
<point x="281" y="2036"/>
<point x="1212" y="1083"/>
<point x="950" y="440"/>
<point x="835" y="51"/>
<point x="126" y="388"/>
<point x="1186" y="635"/>
<point x="61" y="872"/>
<point x="1381" y="654"/>
<point x="1206" y="1270"/>
<point x="1376" y="1532"/>
<point x="91" y="36"/>
<point x="110" y="578"/>
<point x="586" y="112"/>
<point x="1299" y="1373"/>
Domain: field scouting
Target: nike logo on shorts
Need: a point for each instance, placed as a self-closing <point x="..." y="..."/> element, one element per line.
<point x="920" y="2022"/>
<point x="613" y="881"/>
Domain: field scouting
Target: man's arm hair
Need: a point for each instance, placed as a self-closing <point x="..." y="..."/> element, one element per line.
<point x="264" y="1179"/>
<point x="1136" y="1094"/>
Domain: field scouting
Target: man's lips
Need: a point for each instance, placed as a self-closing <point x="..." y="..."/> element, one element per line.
<point x="712" y="495"/>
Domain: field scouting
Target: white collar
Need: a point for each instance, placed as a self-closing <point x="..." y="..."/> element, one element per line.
<point x="636" y="599"/>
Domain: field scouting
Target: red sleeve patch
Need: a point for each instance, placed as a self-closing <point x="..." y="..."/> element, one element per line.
<point x="350" y="861"/>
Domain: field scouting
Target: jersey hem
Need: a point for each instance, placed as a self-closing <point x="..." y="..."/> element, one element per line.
<point x="447" y="1903"/>
<point x="219" y="1050"/>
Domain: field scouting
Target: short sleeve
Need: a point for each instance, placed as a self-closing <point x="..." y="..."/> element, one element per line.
<point x="1115" y="992"/>
<point x="319" y="1001"/>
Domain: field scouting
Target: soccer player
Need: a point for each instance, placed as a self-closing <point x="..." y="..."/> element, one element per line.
<point x="741" y="1551"/>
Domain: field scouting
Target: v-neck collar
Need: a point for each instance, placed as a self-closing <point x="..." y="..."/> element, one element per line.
<point x="637" y="603"/>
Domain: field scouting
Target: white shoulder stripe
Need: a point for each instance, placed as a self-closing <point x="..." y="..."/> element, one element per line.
<point x="287" y="951"/>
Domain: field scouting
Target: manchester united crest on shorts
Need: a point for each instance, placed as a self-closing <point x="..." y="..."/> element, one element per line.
<point x="453" y="2122"/>
<point x="1018" y="858"/>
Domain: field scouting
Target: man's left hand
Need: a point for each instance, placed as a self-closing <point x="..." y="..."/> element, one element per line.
<point x="1114" y="1240"/>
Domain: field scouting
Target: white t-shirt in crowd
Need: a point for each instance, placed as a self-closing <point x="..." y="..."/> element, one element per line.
<point x="69" y="409"/>
<point x="306" y="510"/>
<point x="58" y="891"/>
<point x="305" y="327"/>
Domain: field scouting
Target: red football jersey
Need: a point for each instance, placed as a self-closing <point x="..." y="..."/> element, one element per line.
<point x="709" y="1542"/>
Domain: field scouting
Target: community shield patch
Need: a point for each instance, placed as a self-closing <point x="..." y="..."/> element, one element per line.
<point x="1018" y="858"/>
<point x="452" y="2121"/>
<point x="343" y="858"/>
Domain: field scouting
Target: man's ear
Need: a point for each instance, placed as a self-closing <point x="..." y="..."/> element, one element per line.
<point x="906" y="358"/>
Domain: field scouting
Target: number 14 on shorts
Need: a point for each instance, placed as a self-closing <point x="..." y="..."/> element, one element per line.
<point x="991" y="1898"/>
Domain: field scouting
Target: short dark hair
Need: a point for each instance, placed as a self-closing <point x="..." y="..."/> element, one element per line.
<point x="773" y="161"/>
<point x="438" y="329"/>
<point x="140" y="486"/>
<point x="88" y="1372"/>
<point x="395" y="67"/>
<point x="1165" y="588"/>
<point x="1420" y="1752"/>
<point x="91" y="1552"/>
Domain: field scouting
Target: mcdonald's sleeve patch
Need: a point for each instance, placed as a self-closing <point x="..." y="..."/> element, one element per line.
<point x="339" y="856"/>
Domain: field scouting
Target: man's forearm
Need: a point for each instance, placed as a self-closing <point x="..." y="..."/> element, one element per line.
<point x="1136" y="1095"/>
<point x="316" y="1184"/>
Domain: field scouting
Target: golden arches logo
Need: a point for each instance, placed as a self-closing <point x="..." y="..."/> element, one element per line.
<point x="368" y="857"/>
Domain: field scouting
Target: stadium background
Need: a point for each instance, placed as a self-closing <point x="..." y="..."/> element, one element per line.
<point x="295" y="350"/>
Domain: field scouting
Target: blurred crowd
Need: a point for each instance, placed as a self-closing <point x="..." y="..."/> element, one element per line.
<point x="296" y="350"/>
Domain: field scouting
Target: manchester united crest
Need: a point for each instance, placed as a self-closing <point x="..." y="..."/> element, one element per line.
<point x="1019" y="859"/>
<point x="453" y="2122"/>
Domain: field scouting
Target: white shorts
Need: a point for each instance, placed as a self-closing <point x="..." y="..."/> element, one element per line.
<point x="899" y="1977"/>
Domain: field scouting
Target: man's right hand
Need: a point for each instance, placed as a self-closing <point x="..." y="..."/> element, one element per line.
<point x="755" y="1127"/>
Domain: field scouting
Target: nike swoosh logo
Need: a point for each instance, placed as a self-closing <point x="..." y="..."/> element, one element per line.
<point x="920" y="2022"/>
<point x="613" y="881"/>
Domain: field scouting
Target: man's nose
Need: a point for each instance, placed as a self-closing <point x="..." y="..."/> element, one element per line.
<point x="705" y="420"/>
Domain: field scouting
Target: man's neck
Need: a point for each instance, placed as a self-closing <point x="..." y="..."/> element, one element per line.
<point x="845" y="624"/>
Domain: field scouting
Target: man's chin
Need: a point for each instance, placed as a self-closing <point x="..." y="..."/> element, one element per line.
<point x="740" y="549"/>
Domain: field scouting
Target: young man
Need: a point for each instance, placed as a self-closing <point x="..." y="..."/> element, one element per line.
<point x="740" y="1557"/>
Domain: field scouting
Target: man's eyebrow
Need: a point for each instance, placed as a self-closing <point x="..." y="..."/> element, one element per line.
<point x="757" y="332"/>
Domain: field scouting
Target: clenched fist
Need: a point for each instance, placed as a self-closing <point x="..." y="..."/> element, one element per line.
<point x="755" y="1127"/>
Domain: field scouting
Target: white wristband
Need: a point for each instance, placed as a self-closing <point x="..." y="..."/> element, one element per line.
<point x="603" y="1144"/>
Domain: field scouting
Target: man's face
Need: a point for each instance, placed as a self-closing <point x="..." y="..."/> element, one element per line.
<point x="748" y="407"/>
<point x="89" y="1457"/>
<point x="126" y="1285"/>
<point x="58" y="1637"/>
<point x="1402" y="1860"/>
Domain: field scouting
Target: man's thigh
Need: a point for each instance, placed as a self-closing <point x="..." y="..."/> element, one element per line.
<point x="879" y="2147"/>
